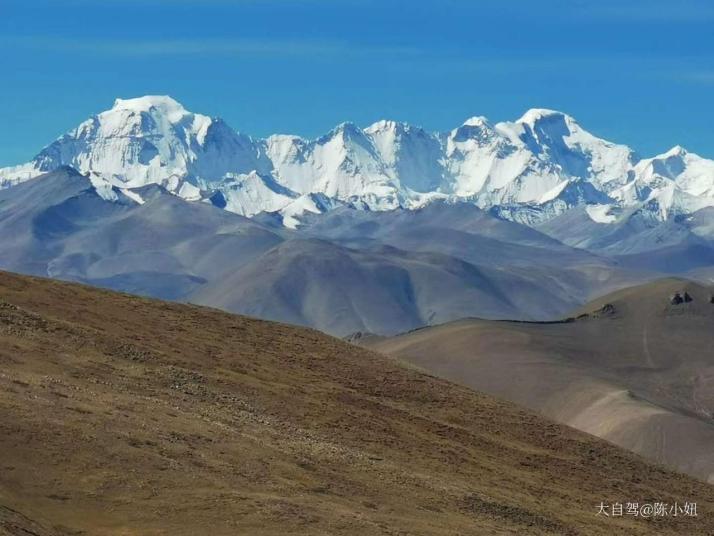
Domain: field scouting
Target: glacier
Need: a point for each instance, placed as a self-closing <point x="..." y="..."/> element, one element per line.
<point x="529" y="170"/>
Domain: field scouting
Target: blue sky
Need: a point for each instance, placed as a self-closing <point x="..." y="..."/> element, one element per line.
<point x="637" y="72"/>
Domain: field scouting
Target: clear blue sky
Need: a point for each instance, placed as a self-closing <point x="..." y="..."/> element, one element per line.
<point x="634" y="71"/>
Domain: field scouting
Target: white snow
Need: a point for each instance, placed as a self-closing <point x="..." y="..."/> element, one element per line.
<point x="132" y="195"/>
<point x="189" y="192"/>
<point x="10" y="176"/>
<point x="601" y="213"/>
<point x="553" y="193"/>
<point x="171" y="109"/>
<point x="249" y="194"/>
<point x="103" y="187"/>
<point x="293" y="211"/>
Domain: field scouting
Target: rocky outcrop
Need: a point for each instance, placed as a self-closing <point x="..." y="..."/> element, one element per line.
<point x="679" y="298"/>
<point x="606" y="310"/>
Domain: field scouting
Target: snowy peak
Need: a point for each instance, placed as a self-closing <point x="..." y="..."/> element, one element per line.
<point x="411" y="156"/>
<point x="475" y="128"/>
<point x="529" y="170"/>
<point x="538" y="117"/>
<point x="149" y="140"/>
<point x="385" y="125"/>
<point x="672" y="165"/>
<point x="545" y="129"/>
<point x="558" y="139"/>
<point x="476" y="121"/>
<point x="165" y="105"/>
<point x="345" y="132"/>
<point x="677" y="151"/>
<point x="675" y="182"/>
<point x="146" y="116"/>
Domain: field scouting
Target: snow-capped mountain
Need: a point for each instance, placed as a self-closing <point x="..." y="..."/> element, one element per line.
<point x="673" y="183"/>
<point x="344" y="164"/>
<point x="151" y="139"/>
<point x="528" y="170"/>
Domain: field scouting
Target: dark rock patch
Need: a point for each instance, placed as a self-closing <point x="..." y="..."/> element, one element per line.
<point x="679" y="298"/>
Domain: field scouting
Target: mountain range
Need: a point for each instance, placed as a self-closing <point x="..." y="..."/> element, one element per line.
<point x="344" y="271"/>
<point x="529" y="170"/>
<point x="528" y="259"/>
<point x="381" y="230"/>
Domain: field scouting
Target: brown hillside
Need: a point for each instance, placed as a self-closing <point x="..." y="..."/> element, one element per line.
<point x="635" y="367"/>
<point x="124" y="416"/>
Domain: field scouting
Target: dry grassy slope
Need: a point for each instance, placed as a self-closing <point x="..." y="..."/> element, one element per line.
<point x="635" y="369"/>
<point x="122" y="415"/>
<point x="13" y="523"/>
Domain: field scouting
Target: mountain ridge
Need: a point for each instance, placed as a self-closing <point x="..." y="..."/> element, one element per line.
<point x="430" y="265"/>
<point x="529" y="170"/>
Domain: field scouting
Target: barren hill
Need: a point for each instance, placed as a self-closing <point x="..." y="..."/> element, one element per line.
<point x="635" y="367"/>
<point x="123" y="415"/>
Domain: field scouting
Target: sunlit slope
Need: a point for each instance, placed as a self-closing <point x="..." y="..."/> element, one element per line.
<point x="123" y="415"/>
<point x="635" y="367"/>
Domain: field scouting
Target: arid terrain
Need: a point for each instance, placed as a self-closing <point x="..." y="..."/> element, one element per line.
<point x="635" y="367"/>
<point x="124" y="415"/>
